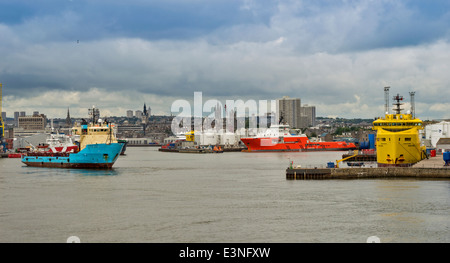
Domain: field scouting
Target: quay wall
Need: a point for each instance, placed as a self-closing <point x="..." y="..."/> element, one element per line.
<point x="391" y="172"/>
<point x="362" y="173"/>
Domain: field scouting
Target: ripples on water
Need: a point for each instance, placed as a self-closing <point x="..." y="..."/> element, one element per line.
<point x="152" y="196"/>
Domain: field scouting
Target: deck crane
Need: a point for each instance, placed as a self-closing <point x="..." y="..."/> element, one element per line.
<point x="355" y="153"/>
<point x="2" y="124"/>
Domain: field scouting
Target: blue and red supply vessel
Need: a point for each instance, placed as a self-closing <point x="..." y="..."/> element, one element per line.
<point x="93" y="156"/>
<point x="99" y="149"/>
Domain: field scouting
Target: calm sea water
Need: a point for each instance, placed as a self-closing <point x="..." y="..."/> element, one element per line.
<point x="153" y="196"/>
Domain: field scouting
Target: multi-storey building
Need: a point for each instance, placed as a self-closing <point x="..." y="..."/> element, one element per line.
<point x="35" y="122"/>
<point x="308" y="118"/>
<point x="289" y="111"/>
<point x="130" y="114"/>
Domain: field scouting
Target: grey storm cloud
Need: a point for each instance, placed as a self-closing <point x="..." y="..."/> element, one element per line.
<point x="337" y="56"/>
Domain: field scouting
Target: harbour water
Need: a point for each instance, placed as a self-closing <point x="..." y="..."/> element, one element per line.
<point x="152" y="196"/>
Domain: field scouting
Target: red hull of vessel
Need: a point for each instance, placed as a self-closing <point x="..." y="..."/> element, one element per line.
<point x="294" y="144"/>
<point x="274" y="144"/>
<point x="14" y="155"/>
<point x="330" y="146"/>
<point x="71" y="165"/>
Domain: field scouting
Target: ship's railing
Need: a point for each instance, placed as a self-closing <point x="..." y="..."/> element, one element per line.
<point x="48" y="154"/>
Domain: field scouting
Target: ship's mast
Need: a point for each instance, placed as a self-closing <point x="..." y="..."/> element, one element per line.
<point x="95" y="113"/>
<point x="398" y="98"/>
<point x="110" y="131"/>
<point x="386" y="99"/>
<point x="413" y="106"/>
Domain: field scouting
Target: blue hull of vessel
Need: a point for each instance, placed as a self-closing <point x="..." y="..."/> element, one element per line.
<point x="93" y="156"/>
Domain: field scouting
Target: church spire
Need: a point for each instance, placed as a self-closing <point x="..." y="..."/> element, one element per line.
<point x="144" y="119"/>
<point x="68" y="119"/>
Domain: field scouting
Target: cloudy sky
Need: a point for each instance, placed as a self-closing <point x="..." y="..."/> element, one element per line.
<point x="117" y="55"/>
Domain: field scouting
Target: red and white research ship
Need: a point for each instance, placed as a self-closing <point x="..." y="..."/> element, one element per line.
<point x="58" y="143"/>
<point x="278" y="138"/>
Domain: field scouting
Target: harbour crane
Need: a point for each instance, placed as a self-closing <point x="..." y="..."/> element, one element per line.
<point x="2" y="124"/>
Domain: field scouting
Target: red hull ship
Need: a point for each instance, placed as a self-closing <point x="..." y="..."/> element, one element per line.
<point x="278" y="138"/>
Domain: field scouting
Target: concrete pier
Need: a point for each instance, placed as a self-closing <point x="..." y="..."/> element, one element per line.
<point x="425" y="169"/>
<point x="432" y="162"/>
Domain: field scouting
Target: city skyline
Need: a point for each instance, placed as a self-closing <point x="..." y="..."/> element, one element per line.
<point x="335" y="55"/>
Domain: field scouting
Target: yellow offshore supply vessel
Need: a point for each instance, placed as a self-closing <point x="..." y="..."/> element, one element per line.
<point x="190" y="136"/>
<point x="397" y="141"/>
<point x="96" y="132"/>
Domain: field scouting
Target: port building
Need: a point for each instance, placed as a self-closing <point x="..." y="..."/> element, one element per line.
<point x="433" y="132"/>
<point x="443" y="145"/>
<point x="33" y="123"/>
